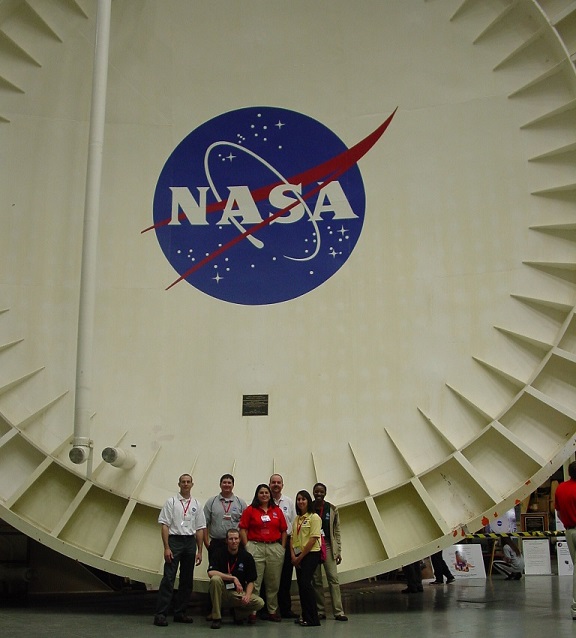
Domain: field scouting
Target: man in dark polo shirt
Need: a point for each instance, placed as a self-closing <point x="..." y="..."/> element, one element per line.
<point x="565" y="504"/>
<point x="232" y="574"/>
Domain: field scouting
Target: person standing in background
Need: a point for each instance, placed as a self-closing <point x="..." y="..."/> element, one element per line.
<point x="565" y="504"/>
<point x="441" y="569"/>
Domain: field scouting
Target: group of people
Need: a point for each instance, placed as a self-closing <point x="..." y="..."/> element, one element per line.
<point x="252" y="553"/>
<point x="253" y="549"/>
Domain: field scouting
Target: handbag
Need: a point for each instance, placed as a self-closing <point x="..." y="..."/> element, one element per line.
<point x="322" y="549"/>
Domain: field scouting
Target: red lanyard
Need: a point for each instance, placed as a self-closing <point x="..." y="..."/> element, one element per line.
<point x="226" y="509"/>
<point x="299" y="527"/>
<point x="187" y="507"/>
<point x="231" y="569"/>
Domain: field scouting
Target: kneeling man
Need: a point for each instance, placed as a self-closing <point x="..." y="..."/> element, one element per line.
<point x="232" y="574"/>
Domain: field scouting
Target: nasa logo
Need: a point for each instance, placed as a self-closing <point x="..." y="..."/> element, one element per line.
<point x="260" y="205"/>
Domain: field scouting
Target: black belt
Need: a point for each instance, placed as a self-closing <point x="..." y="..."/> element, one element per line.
<point x="267" y="542"/>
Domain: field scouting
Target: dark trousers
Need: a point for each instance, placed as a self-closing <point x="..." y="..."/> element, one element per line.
<point x="284" y="597"/>
<point x="413" y="573"/>
<point x="215" y="545"/>
<point x="184" y="552"/>
<point x="304" y="574"/>
<point x="440" y="568"/>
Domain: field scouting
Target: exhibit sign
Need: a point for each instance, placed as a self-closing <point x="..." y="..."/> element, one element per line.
<point x="565" y="564"/>
<point x="465" y="561"/>
<point x="536" y="556"/>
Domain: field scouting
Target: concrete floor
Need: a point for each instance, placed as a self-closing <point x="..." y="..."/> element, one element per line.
<point x="535" y="607"/>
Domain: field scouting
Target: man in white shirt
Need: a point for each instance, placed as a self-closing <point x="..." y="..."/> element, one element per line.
<point x="286" y="504"/>
<point x="182" y="527"/>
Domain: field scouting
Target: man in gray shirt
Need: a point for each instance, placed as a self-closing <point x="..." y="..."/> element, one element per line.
<point x="222" y="512"/>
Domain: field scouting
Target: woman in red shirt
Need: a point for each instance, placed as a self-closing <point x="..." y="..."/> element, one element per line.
<point x="263" y="531"/>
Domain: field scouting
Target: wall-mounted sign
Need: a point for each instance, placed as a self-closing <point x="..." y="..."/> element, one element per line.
<point x="260" y="205"/>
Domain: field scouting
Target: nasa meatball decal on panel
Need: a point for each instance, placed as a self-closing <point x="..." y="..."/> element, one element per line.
<point x="260" y="205"/>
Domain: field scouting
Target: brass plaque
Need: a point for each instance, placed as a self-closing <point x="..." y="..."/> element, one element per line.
<point x="255" y="405"/>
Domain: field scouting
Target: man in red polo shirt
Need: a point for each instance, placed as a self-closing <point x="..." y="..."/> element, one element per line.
<point x="565" y="504"/>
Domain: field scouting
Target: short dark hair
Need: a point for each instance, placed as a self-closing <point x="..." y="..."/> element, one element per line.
<point x="309" y="502"/>
<point x="572" y="470"/>
<point x="320" y="485"/>
<point x="227" y="476"/>
<point x="232" y="530"/>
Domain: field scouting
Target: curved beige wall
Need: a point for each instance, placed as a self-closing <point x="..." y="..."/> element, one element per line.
<point x="429" y="383"/>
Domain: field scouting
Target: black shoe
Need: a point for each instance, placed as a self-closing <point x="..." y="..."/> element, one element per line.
<point x="450" y="579"/>
<point x="342" y="617"/>
<point x="438" y="582"/>
<point x="184" y="618"/>
<point x="517" y="576"/>
<point x="160" y="621"/>
<point x="322" y="616"/>
<point x="216" y="624"/>
<point x="289" y="614"/>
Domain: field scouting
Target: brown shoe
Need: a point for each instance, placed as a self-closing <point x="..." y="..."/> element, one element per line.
<point x="274" y="617"/>
<point x="252" y="619"/>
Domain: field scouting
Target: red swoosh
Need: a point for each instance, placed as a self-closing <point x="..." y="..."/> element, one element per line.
<point x="327" y="172"/>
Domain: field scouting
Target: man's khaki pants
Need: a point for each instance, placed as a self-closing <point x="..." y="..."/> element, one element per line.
<point x="222" y="597"/>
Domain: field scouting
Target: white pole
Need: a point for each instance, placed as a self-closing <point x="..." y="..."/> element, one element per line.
<point x="83" y="411"/>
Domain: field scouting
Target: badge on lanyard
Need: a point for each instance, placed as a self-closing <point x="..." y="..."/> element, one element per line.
<point x="186" y="517"/>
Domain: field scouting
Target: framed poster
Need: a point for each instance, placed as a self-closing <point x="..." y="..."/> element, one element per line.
<point x="534" y="522"/>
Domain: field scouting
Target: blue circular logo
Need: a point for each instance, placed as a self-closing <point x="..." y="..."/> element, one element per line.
<point x="259" y="205"/>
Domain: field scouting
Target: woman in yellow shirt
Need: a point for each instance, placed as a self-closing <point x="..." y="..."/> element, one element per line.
<point x="305" y="553"/>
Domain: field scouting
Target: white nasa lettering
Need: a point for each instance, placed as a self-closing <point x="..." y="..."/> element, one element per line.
<point x="195" y="211"/>
<point x="240" y="203"/>
<point x="331" y="199"/>
<point x="279" y="199"/>
<point x="241" y="206"/>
